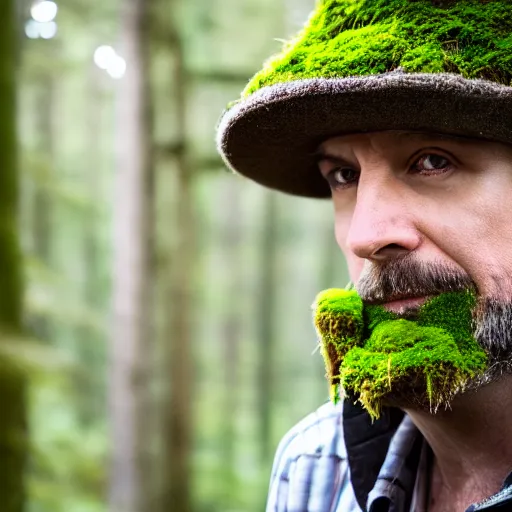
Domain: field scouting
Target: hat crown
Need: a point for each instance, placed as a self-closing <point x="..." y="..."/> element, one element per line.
<point x="343" y="38"/>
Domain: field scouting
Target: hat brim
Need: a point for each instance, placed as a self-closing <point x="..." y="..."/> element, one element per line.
<point x="271" y="137"/>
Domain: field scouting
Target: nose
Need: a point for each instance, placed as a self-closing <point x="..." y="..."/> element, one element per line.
<point x="382" y="226"/>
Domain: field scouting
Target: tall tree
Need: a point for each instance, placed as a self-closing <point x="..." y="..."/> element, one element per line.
<point x="45" y="131"/>
<point x="133" y="241"/>
<point x="267" y="315"/>
<point x="42" y="200"/>
<point x="90" y="347"/>
<point x="177" y="274"/>
<point x="231" y="239"/>
<point x="13" y="444"/>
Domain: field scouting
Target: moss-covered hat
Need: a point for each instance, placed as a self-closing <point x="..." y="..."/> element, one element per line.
<point x="369" y="65"/>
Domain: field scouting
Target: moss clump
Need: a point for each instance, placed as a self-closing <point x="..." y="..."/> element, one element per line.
<point x="338" y="319"/>
<point x="366" y="37"/>
<point x="427" y="359"/>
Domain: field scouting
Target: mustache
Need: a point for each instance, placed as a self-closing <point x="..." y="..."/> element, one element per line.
<point x="406" y="278"/>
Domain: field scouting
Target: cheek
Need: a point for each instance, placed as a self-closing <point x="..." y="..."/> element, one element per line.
<point x="479" y="239"/>
<point x="341" y="227"/>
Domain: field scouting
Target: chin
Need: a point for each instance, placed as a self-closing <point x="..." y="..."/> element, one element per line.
<point x="419" y="400"/>
<point x="416" y="397"/>
<point x="413" y="390"/>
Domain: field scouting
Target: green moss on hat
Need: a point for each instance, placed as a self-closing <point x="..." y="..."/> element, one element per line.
<point x="358" y="66"/>
<point x="381" y="355"/>
<point x="472" y="38"/>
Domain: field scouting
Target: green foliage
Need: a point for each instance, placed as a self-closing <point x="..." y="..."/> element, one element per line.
<point x="67" y="462"/>
<point x="38" y="168"/>
<point x="434" y="355"/>
<point x="366" y="37"/>
<point x="55" y="296"/>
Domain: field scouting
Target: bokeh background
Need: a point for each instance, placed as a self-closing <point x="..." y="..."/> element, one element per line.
<point x="164" y="343"/>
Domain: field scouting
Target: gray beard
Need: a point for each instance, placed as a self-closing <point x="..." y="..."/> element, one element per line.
<point x="493" y="331"/>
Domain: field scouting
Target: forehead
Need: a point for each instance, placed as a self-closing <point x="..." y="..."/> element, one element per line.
<point x="393" y="138"/>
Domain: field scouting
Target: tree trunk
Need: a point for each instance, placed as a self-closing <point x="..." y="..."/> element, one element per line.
<point x="231" y="240"/>
<point x="45" y="150"/>
<point x="178" y="424"/>
<point x="42" y="202"/>
<point x="90" y="404"/>
<point x="133" y="243"/>
<point x="266" y="314"/>
<point x="178" y="276"/>
<point x="13" y="443"/>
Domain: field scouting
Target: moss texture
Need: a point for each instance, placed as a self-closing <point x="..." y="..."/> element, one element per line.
<point x="344" y="38"/>
<point x="430" y="357"/>
<point x="338" y="320"/>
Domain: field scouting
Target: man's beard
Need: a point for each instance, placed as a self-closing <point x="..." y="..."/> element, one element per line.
<point x="492" y="319"/>
<point x="493" y="331"/>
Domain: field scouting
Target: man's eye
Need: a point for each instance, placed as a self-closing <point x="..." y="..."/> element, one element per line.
<point x="432" y="164"/>
<point x="342" y="177"/>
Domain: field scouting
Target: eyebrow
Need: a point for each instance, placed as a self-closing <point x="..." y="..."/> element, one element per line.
<point x="321" y="155"/>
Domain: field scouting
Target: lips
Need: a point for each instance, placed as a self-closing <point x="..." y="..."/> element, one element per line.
<point x="407" y="304"/>
<point x="401" y="303"/>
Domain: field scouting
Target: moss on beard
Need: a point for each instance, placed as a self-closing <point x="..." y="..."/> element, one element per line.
<point x="345" y="38"/>
<point x="339" y="324"/>
<point x="380" y="357"/>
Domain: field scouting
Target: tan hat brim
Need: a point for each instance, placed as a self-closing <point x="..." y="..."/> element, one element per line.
<point x="271" y="136"/>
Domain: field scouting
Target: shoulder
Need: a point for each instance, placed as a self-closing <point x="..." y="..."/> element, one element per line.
<point x="310" y="470"/>
<point x="320" y="430"/>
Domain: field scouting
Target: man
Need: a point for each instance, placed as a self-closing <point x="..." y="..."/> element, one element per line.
<point x="401" y="112"/>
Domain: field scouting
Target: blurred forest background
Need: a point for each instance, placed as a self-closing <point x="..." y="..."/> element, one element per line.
<point x="159" y="341"/>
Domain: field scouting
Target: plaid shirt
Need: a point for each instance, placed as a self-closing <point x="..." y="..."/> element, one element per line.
<point x="311" y="471"/>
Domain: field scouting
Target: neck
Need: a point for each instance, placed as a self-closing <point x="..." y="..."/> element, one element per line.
<point x="471" y="442"/>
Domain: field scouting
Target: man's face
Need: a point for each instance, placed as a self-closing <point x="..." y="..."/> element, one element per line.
<point x="425" y="199"/>
<point x="417" y="215"/>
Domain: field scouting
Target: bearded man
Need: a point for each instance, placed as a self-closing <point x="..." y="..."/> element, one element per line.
<point x="400" y="111"/>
